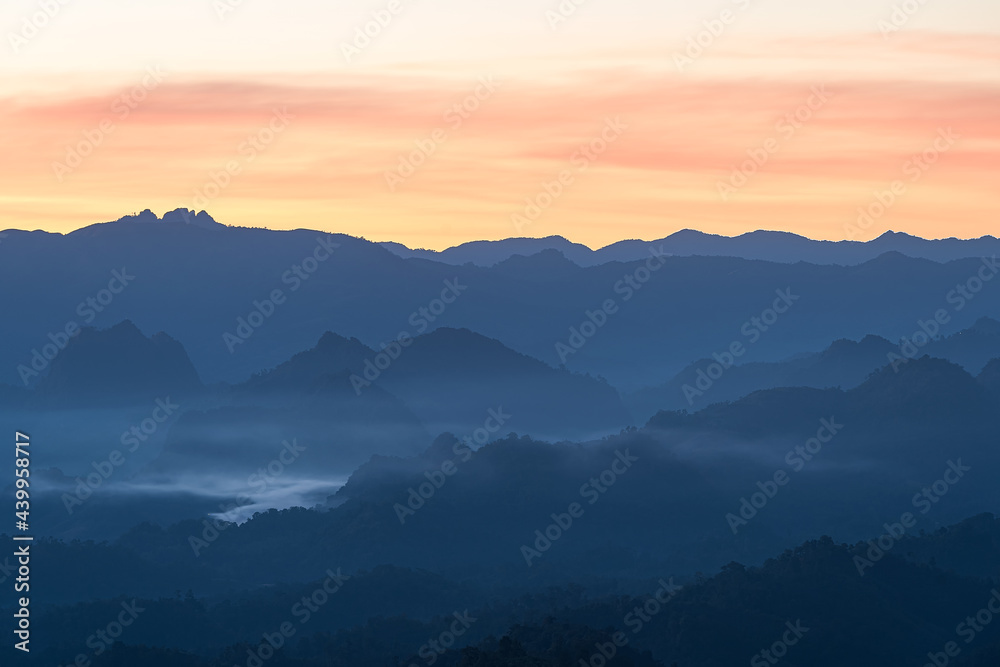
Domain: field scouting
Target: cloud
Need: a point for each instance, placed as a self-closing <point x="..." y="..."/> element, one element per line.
<point x="684" y="134"/>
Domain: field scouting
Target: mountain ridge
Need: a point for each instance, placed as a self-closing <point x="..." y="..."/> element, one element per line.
<point x="769" y="245"/>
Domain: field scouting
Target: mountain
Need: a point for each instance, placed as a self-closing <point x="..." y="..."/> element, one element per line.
<point x="457" y="380"/>
<point x="769" y="246"/>
<point x="972" y="347"/>
<point x="177" y="216"/>
<point x="546" y="265"/>
<point x="970" y="548"/>
<point x="990" y="375"/>
<point x="332" y="354"/>
<point x="314" y="419"/>
<point x="852" y="461"/>
<point x="320" y="431"/>
<point x="406" y="461"/>
<point x="844" y="364"/>
<point x="115" y="366"/>
<point x="488" y="253"/>
<point x="206" y="286"/>
<point x="927" y="394"/>
<point x="807" y="603"/>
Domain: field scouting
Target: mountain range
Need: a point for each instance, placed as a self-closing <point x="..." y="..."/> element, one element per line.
<point x="770" y="246"/>
<point x="204" y="285"/>
<point x="844" y="364"/>
<point x="537" y="448"/>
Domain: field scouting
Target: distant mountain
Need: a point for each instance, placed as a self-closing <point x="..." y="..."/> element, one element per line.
<point x="177" y="216"/>
<point x="452" y="372"/>
<point x="970" y="548"/>
<point x="844" y="364"/>
<point x="664" y="505"/>
<point x="808" y="601"/>
<point x="116" y="366"/>
<point x="321" y="430"/>
<point x="547" y="265"/>
<point x="972" y="348"/>
<point x="452" y="379"/>
<point x="205" y="285"/>
<point x="926" y="388"/>
<point x="488" y="253"/>
<point x="332" y="354"/>
<point x="926" y="396"/>
<point x="990" y="375"/>
<point x="770" y="246"/>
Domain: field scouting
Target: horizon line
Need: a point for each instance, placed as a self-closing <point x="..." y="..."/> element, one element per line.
<point x="160" y="220"/>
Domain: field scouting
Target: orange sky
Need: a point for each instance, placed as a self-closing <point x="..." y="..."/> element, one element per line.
<point x="868" y="107"/>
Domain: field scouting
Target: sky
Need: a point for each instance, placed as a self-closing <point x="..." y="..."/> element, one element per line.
<point x="433" y="124"/>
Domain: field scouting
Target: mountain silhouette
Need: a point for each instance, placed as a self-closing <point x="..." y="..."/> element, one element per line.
<point x="200" y="284"/>
<point x="331" y="355"/>
<point x="452" y="378"/>
<point x="845" y="364"/>
<point x="990" y="375"/>
<point x="118" y="365"/>
<point x="772" y="246"/>
<point x="488" y="253"/>
<point x="926" y="391"/>
<point x="177" y="216"/>
<point x="336" y="428"/>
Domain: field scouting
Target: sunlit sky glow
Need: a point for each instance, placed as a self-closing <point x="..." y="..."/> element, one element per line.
<point x="888" y="97"/>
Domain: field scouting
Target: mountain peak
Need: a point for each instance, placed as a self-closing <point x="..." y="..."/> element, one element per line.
<point x="924" y="384"/>
<point x="986" y="325"/>
<point x="125" y="328"/>
<point x="119" y="364"/>
<point x="331" y="339"/>
<point x="543" y="261"/>
<point x="890" y="235"/>
<point x="177" y="216"/>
